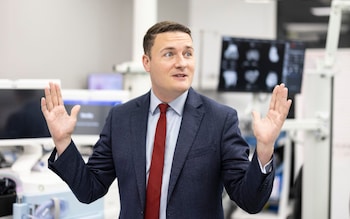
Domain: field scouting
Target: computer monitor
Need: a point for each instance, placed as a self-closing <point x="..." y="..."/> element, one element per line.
<point x="95" y="106"/>
<point x="105" y="81"/>
<point x="21" y="119"/>
<point x="20" y="114"/>
<point x="257" y="65"/>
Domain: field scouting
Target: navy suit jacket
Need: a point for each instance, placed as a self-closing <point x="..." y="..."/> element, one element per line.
<point x="210" y="153"/>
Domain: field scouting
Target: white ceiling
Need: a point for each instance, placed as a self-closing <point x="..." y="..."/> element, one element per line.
<point x="297" y="20"/>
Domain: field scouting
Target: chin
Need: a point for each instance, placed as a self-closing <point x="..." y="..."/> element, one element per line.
<point x="183" y="88"/>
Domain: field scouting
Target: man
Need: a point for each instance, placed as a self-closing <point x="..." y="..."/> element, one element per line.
<point x="204" y="149"/>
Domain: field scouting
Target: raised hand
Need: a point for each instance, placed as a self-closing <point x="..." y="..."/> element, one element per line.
<point x="267" y="129"/>
<point x="61" y="125"/>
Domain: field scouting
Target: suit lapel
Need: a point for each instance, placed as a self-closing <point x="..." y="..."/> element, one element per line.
<point x="191" y="120"/>
<point x="192" y="117"/>
<point x="139" y="132"/>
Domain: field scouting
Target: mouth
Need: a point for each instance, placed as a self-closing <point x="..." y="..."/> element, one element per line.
<point x="179" y="75"/>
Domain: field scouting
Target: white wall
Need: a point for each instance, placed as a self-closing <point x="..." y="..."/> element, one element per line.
<point x="174" y="10"/>
<point x="70" y="39"/>
<point x="63" y="39"/>
<point x="211" y="19"/>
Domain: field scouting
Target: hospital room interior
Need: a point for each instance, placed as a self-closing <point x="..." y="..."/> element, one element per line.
<point x="93" y="51"/>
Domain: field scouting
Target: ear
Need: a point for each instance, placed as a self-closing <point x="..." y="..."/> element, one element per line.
<point x="146" y="61"/>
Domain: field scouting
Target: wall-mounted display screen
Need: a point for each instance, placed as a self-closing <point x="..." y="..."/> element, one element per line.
<point x="92" y="115"/>
<point x="257" y="65"/>
<point x="20" y="114"/>
<point x="94" y="107"/>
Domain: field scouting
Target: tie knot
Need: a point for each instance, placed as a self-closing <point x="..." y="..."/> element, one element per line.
<point x="163" y="107"/>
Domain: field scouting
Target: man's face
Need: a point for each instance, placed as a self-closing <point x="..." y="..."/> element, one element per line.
<point x="171" y="65"/>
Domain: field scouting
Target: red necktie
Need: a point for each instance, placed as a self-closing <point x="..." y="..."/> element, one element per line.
<point x="156" y="171"/>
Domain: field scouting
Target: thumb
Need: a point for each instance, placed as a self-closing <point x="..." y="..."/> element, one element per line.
<point x="255" y="115"/>
<point x="75" y="110"/>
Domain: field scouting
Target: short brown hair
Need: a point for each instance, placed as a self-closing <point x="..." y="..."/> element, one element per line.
<point x="161" y="27"/>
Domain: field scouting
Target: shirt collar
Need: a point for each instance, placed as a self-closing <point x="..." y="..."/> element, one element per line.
<point x="177" y="105"/>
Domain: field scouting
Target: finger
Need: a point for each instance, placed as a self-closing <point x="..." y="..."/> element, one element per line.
<point x="256" y="116"/>
<point x="44" y="107"/>
<point x="283" y="93"/>
<point x="283" y="103"/>
<point x="75" y="110"/>
<point x="287" y="107"/>
<point x="53" y="89"/>
<point x="59" y="95"/>
<point x="274" y="97"/>
<point x="48" y="98"/>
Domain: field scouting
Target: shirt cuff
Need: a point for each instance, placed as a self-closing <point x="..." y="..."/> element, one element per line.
<point x="267" y="168"/>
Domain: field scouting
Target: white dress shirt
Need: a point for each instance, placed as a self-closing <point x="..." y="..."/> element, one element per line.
<point x="174" y="117"/>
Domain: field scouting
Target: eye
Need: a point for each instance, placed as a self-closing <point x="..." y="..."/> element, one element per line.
<point x="168" y="54"/>
<point x="188" y="54"/>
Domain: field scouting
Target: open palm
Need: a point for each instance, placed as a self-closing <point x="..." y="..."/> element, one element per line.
<point x="61" y="125"/>
<point x="267" y="129"/>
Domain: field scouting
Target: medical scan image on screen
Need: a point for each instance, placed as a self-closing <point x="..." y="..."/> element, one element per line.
<point x="256" y="65"/>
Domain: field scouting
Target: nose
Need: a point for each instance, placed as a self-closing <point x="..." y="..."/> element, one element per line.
<point x="180" y="61"/>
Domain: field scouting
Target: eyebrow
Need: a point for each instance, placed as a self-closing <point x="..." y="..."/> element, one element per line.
<point x="173" y="48"/>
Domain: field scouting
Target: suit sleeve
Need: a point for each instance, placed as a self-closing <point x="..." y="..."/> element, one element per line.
<point x="88" y="181"/>
<point x="243" y="179"/>
<point x="84" y="182"/>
